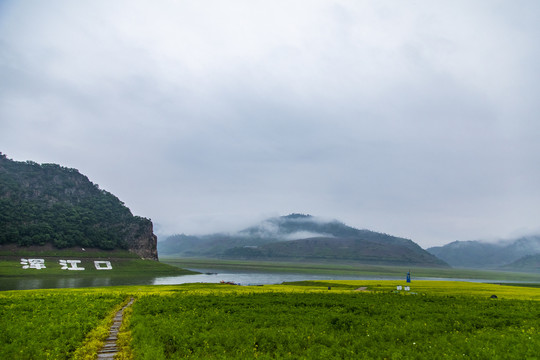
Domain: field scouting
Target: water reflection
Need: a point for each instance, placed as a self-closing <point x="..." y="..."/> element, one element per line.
<point x="28" y="284"/>
<point x="206" y="276"/>
<point x="253" y="278"/>
<point x="69" y="283"/>
<point x="98" y="282"/>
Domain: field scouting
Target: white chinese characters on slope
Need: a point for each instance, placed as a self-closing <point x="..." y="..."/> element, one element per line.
<point x="66" y="264"/>
<point x="103" y="265"/>
<point x="33" y="264"/>
<point x="70" y="264"/>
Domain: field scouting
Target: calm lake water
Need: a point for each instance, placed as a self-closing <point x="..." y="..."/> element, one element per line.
<point x="243" y="278"/>
<point x="207" y="276"/>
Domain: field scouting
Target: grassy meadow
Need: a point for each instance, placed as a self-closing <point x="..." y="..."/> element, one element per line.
<point x="120" y="267"/>
<point x="124" y="264"/>
<point x="304" y="320"/>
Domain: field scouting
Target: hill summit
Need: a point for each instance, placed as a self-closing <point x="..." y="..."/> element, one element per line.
<point x="50" y="204"/>
<point x="302" y="237"/>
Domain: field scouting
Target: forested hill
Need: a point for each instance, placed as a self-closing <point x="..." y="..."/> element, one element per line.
<point x="302" y="237"/>
<point x="48" y="203"/>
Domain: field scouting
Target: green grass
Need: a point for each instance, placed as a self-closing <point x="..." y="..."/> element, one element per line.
<point x="302" y="320"/>
<point x="433" y="288"/>
<point x="120" y="267"/>
<point x="332" y="325"/>
<point x="49" y="325"/>
<point x="523" y="285"/>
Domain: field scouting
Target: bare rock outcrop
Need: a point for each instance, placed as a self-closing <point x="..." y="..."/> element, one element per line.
<point x="142" y="241"/>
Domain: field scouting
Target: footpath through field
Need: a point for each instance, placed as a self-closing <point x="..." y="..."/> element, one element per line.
<point x="110" y="348"/>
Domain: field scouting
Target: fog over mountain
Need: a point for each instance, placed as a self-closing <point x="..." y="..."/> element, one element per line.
<point x="485" y="254"/>
<point x="293" y="227"/>
<point x="304" y="238"/>
<point x="415" y="118"/>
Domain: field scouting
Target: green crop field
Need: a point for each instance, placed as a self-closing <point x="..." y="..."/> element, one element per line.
<point x="50" y="325"/>
<point x="305" y="320"/>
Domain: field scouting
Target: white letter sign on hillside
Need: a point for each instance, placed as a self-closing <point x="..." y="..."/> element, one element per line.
<point x="70" y="265"/>
<point x="33" y="263"/>
<point x="103" y="265"/>
<point x="66" y="264"/>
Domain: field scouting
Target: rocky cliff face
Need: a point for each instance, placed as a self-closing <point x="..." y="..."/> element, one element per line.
<point x="142" y="241"/>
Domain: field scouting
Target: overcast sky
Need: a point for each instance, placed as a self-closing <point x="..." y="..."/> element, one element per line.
<point x="418" y="118"/>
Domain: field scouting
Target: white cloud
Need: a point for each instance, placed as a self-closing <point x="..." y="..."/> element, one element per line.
<point x="417" y="119"/>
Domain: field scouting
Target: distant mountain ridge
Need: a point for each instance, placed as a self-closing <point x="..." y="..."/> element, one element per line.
<point x="49" y="204"/>
<point x="487" y="255"/>
<point x="529" y="263"/>
<point x="299" y="236"/>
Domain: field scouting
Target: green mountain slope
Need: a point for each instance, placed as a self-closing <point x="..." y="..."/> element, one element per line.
<point x="298" y="236"/>
<point x="51" y="204"/>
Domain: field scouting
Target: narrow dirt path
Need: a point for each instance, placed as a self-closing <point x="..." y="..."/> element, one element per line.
<point x="110" y="349"/>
